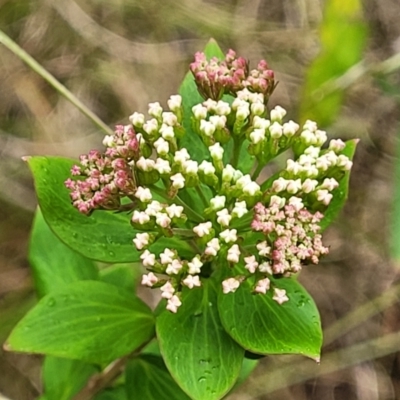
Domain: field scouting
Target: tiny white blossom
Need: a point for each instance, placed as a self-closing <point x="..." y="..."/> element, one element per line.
<point x="155" y="110"/>
<point x="293" y="186"/>
<point x="199" y="112"/>
<point x="261" y="123"/>
<point x="337" y="145"/>
<point x="228" y="173"/>
<point x="279" y="185"/>
<point x="296" y="202"/>
<point x="309" y="185"/>
<point x="163" y="220"/>
<point x="280" y="296"/>
<point x="277" y="113"/>
<point x="213" y="247"/>
<point x="243" y="112"/>
<point x="290" y="128"/>
<point x="276" y="130"/>
<point x="203" y="229"/>
<point x="344" y="162"/>
<point x="108" y="141"/>
<point x="219" y="121"/>
<point x="218" y="202"/>
<point x="207" y="127"/>
<point x="329" y="184"/>
<point x="257" y="108"/>
<point x="181" y="156"/>
<point x="174" y="267"/>
<point x="141" y="240"/>
<point x="251" y="264"/>
<point x="191" y="281"/>
<point x="239" y="101"/>
<point x="243" y="181"/>
<point x="167" y="290"/>
<point x="137" y="119"/>
<point x="323" y="163"/>
<point x="278" y="201"/>
<point x="233" y="254"/>
<point x="173" y="304"/>
<point x="178" y="181"/>
<point x="210" y="104"/>
<point x="324" y="196"/>
<point x="320" y="137"/>
<point x="207" y="168"/>
<point x="190" y="167"/>
<point x="150" y="126"/>
<point x="161" y="146"/>
<point x="194" y="266"/>
<point x="256" y="97"/>
<point x="293" y="166"/>
<point x="230" y="285"/>
<point x="308" y="137"/>
<point x="140" y="217"/>
<point x="145" y="164"/>
<point x="262" y="286"/>
<point x="169" y="118"/>
<point x="174" y="211"/>
<point x="162" y="166"/>
<point x="265" y="268"/>
<point x="222" y="108"/>
<point x="310" y="125"/>
<point x="224" y="218"/>
<point x="257" y="136"/>
<point x="251" y="188"/>
<point x="216" y="151"/>
<point x="143" y="194"/>
<point x="229" y="235"/>
<point x="306" y="160"/>
<point x="239" y="209"/>
<point x="167" y="132"/>
<point x="174" y="102"/>
<point x="312" y="151"/>
<point x="263" y="249"/>
<point x="148" y="259"/>
<point x="149" y="279"/>
<point x="166" y="256"/>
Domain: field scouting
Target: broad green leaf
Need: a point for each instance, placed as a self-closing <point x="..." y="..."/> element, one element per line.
<point x="340" y="194"/>
<point x="248" y="367"/>
<point x="63" y="378"/>
<point x="343" y="35"/>
<point x="53" y="263"/>
<point x="148" y="378"/>
<point x="200" y="355"/>
<point x="125" y="276"/>
<point x="104" y="236"/>
<point x="262" y="326"/>
<point x="395" y="214"/>
<point x="90" y="321"/>
<point x="191" y="97"/>
<point x="115" y="393"/>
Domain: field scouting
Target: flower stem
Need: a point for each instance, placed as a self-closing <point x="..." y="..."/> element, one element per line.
<point x="35" y="66"/>
<point x="237" y="146"/>
<point x="257" y="171"/>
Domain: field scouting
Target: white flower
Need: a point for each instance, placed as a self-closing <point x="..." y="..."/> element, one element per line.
<point x="174" y="267"/>
<point x="277" y="113"/>
<point x="243" y="181"/>
<point x="174" y="102"/>
<point x="310" y="125"/>
<point x="203" y="229"/>
<point x="137" y="119"/>
<point x="218" y="202"/>
<point x="174" y="211"/>
<point x="233" y="254"/>
<point x="278" y="201"/>
<point x="308" y="137"/>
<point x="344" y="162"/>
<point x="149" y="279"/>
<point x="155" y="110"/>
<point x="261" y="123"/>
<point x="263" y="249"/>
<point x="227" y="173"/>
<point x="190" y="167"/>
<point x="323" y="163"/>
<point x="262" y="286"/>
<point x="224" y="218"/>
<point x="191" y="281"/>
<point x="251" y="189"/>
<point x="173" y="304"/>
<point x="153" y="208"/>
<point x="309" y="185"/>
<point x="140" y="217"/>
<point x="162" y="166"/>
<point x="145" y="164"/>
<point x="163" y="220"/>
<point x="229" y="235"/>
<point x="199" y="112"/>
<point x="279" y="185"/>
<point x="169" y="118"/>
<point x="324" y="196"/>
<point x="320" y="137"/>
<point x="265" y="268"/>
<point x="280" y="296"/>
<point x="276" y="130"/>
<point x="151" y="126"/>
<point x="290" y="128"/>
<point x="222" y="108"/>
<point x="230" y="285"/>
<point x="181" y="156"/>
<point x="194" y="266"/>
<point x="216" y="151"/>
<point x="336" y="145"/>
<point x="207" y="168"/>
<point x="166" y="256"/>
<point x="257" y="108"/>
<point x="210" y="104"/>
<point x="330" y="184"/>
<point x="207" y="127"/>
<point x="243" y="112"/>
<point x="148" y="259"/>
<point x="167" y="290"/>
<point x="312" y="151"/>
<point x="161" y="146"/>
<point x="143" y="194"/>
<point x="251" y="264"/>
<point x="257" y="136"/>
<point x="293" y="167"/>
<point x="219" y="121"/>
<point x="239" y="209"/>
<point x="167" y="132"/>
<point x="108" y="141"/>
<point x="293" y="186"/>
<point x="296" y="202"/>
<point x="213" y="247"/>
<point x="178" y="181"/>
<point x="141" y="240"/>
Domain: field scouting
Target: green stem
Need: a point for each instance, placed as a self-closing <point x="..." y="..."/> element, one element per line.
<point x="183" y="232"/>
<point x="35" y="66"/>
<point x="237" y="146"/>
<point x="257" y="171"/>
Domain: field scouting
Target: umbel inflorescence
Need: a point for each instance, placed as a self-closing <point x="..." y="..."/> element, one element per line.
<point x="239" y="229"/>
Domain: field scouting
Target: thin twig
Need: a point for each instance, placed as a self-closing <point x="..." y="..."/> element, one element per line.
<point x="35" y="66"/>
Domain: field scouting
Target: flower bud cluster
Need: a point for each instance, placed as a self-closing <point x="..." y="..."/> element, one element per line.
<point x="215" y="78"/>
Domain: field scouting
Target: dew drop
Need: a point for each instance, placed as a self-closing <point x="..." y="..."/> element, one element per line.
<point x="198" y="313"/>
<point x="51" y="302"/>
<point x="99" y="319"/>
<point x="202" y="379"/>
<point x="210" y="304"/>
<point x="74" y="235"/>
<point x="111" y="254"/>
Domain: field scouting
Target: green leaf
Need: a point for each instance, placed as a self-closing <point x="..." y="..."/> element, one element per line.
<point x="88" y="320"/>
<point x="248" y="367"/>
<point x="147" y="378"/>
<point x="395" y="212"/>
<point x="191" y="97"/>
<point x="343" y="35"/>
<point x="125" y="276"/>
<point x="262" y="326"/>
<point x="63" y="378"/>
<point x="53" y="263"/>
<point x="115" y="393"/>
<point x="341" y="193"/>
<point x="200" y="355"/>
<point x="104" y="236"/>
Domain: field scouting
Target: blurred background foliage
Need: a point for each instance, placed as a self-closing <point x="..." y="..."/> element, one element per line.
<point x="337" y="62"/>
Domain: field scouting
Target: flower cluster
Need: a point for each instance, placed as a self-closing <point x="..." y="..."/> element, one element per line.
<point x="226" y="219"/>
<point x="215" y="78"/>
